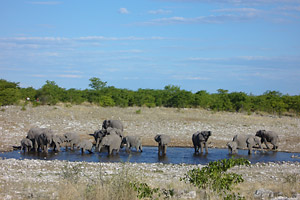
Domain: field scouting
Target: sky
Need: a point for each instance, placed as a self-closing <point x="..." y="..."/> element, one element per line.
<point x="250" y="46"/>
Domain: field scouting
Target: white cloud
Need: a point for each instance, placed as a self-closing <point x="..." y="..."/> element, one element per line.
<point x="45" y="2"/>
<point x="123" y="11"/>
<point x="159" y="11"/>
<point x="211" y="19"/>
<point x="68" y="76"/>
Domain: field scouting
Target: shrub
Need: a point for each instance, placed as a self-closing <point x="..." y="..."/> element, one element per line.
<point x="214" y="178"/>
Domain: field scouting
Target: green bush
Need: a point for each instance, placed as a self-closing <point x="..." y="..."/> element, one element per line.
<point x="214" y="178"/>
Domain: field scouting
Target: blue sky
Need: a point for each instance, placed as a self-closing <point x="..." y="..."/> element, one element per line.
<point x="238" y="45"/>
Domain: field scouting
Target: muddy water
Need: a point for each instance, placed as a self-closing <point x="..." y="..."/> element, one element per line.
<point x="175" y="155"/>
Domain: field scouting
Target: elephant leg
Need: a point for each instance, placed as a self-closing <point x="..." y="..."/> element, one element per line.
<point x="165" y="149"/>
<point x="266" y="143"/>
<point x="250" y="149"/>
<point x="35" y="146"/>
<point x="159" y="148"/>
<point x="141" y="148"/>
<point x="196" y="149"/>
<point x="206" y="149"/>
<point x="274" y="142"/>
<point x="201" y="148"/>
<point x="109" y="150"/>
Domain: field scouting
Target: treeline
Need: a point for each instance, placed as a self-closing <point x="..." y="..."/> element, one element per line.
<point x="171" y="96"/>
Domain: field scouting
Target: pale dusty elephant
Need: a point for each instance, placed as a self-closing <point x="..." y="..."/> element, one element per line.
<point x="113" y="124"/>
<point x="26" y="145"/>
<point x="40" y="137"/>
<point x="200" y="139"/>
<point x="244" y="142"/>
<point x="45" y="139"/>
<point x="163" y="142"/>
<point x="268" y="136"/>
<point x="132" y="141"/>
<point x="111" y="142"/>
<point x="85" y="145"/>
<point x="71" y="139"/>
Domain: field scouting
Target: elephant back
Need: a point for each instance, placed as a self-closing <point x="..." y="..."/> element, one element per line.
<point x="113" y="124"/>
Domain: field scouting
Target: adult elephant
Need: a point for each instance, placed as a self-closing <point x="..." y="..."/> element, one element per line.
<point x="268" y="136"/>
<point x="113" y="124"/>
<point x="98" y="135"/>
<point x="111" y="142"/>
<point x="85" y="145"/>
<point x="200" y="139"/>
<point x="244" y="142"/>
<point x="163" y="142"/>
<point x="57" y="141"/>
<point x="72" y="139"/>
<point x="132" y="141"/>
<point x="45" y="139"/>
<point x="33" y="135"/>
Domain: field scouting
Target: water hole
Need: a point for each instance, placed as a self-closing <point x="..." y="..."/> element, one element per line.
<point x="175" y="155"/>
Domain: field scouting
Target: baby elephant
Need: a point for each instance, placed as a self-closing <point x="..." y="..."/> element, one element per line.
<point x="85" y="145"/>
<point x="26" y="144"/>
<point x="163" y="141"/>
<point x="268" y="136"/>
<point x="132" y="141"/>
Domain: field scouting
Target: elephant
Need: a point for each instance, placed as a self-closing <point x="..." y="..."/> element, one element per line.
<point x="199" y="139"/>
<point x="72" y="139"/>
<point x="113" y="124"/>
<point x="243" y="142"/>
<point x="34" y="134"/>
<point x="132" y="141"/>
<point x="26" y="144"/>
<point x="85" y="145"/>
<point x="110" y="130"/>
<point x="163" y="141"/>
<point x="45" y="139"/>
<point x="98" y="135"/>
<point x="57" y="141"/>
<point x="112" y="142"/>
<point x="268" y="136"/>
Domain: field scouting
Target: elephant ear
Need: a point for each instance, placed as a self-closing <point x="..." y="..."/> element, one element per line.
<point x="201" y="136"/>
<point x="157" y="138"/>
<point x="104" y="124"/>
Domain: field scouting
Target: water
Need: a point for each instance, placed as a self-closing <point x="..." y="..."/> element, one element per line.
<point x="175" y="155"/>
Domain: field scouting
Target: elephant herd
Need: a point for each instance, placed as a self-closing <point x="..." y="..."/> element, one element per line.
<point x="111" y="137"/>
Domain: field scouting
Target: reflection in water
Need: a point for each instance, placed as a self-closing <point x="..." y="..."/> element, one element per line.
<point x="174" y="155"/>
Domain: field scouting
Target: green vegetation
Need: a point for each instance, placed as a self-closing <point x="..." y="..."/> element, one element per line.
<point x="213" y="178"/>
<point x="171" y="96"/>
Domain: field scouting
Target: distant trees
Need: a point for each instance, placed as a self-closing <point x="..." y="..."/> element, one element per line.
<point x="9" y="92"/>
<point x="171" y="96"/>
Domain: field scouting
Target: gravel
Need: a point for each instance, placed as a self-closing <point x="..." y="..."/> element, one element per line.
<point x="19" y="178"/>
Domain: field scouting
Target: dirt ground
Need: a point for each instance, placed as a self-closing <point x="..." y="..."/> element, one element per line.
<point x="39" y="179"/>
<point x="180" y="124"/>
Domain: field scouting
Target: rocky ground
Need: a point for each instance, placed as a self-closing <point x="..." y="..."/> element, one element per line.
<point x="19" y="178"/>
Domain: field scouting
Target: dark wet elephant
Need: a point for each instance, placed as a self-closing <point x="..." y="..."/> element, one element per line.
<point x="200" y="139"/>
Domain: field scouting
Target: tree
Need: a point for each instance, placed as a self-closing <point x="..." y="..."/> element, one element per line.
<point x="51" y="93"/>
<point x="97" y="84"/>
